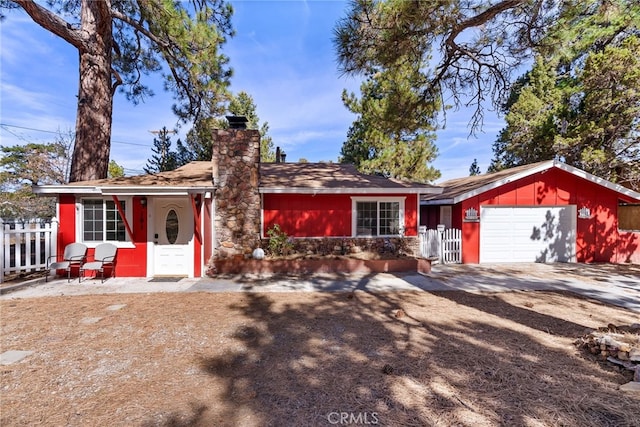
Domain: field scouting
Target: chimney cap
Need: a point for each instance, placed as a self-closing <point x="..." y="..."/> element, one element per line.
<point x="237" y="122"/>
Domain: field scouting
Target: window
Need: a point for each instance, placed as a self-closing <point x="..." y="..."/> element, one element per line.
<point x="101" y="221"/>
<point x="383" y="217"/>
<point x="628" y="217"/>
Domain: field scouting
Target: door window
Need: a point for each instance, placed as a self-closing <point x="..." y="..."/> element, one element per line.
<point x="172" y="226"/>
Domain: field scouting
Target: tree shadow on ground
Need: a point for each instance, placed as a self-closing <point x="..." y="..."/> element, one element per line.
<point x="406" y="359"/>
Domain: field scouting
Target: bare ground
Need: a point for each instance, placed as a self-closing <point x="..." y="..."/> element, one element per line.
<point x="302" y="358"/>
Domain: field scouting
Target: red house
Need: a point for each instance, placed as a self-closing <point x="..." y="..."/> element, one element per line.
<point x="178" y="223"/>
<point x="335" y="200"/>
<point x="543" y="212"/>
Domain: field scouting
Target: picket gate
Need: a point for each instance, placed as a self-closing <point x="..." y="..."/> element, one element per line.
<point x="444" y="245"/>
<point x="25" y="246"/>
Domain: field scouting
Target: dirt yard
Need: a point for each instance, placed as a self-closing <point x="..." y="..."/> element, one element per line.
<point x="306" y="359"/>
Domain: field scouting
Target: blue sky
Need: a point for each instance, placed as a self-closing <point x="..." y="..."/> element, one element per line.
<point x="282" y="55"/>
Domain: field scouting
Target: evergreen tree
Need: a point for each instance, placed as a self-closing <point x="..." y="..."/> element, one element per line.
<point x="163" y="159"/>
<point x="23" y="166"/>
<point x="467" y="50"/>
<point x="393" y="133"/>
<point x="120" y="41"/>
<point x="585" y="112"/>
<point x="474" y="169"/>
<point x="198" y="144"/>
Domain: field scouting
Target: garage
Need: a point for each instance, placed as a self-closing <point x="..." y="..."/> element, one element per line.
<point x="527" y="234"/>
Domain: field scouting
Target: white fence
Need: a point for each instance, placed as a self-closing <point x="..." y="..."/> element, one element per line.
<point x="445" y="246"/>
<point x="26" y="246"/>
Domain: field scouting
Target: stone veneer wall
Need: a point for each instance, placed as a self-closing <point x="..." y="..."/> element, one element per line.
<point x="236" y="162"/>
<point x="407" y="246"/>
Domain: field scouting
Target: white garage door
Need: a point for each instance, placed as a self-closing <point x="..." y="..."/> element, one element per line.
<point x="528" y="234"/>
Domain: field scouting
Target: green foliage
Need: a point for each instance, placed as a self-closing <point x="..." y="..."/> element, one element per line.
<point x="243" y="105"/>
<point x="163" y="159"/>
<point x="34" y="164"/>
<point x="474" y="169"/>
<point x="22" y="166"/>
<point x="394" y="132"/>
<point x="466" y="51"/>
<point x="115" y="170"/>
<point x="586" y="115"/>
<point x="279" y="243"/>
<point x="198" y="145"/>
<point x="119" y="42"/>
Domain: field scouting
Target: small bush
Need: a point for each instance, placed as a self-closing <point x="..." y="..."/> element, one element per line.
<point x="279" y="243"/>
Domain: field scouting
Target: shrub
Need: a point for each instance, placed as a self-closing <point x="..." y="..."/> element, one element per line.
<point x="279" y="243"/>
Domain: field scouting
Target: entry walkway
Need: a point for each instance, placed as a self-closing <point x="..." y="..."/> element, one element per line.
<point x="614" y="284"/>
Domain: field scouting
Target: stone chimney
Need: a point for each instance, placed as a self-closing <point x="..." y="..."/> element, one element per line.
<point x="235" y="163"/>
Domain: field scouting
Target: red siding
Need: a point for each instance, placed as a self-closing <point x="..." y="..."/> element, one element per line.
<point x="130" y="262"/>
<point x="324" y="215"/>
<point x="67" y="224"/>
<point x="598" y="238"/>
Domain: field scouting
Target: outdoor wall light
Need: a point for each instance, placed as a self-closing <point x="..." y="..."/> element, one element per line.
<point x="584" y="213"/>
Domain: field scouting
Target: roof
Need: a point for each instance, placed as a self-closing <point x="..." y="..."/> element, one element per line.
<point x="192" y="177"/>
<point x="316" y="178"/>
<point x="312" y="178"/>
<point x="459" y="189"/>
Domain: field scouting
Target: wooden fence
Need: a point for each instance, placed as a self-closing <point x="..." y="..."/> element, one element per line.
<point x="444" y="246"/>
<point x="25" y="246"/>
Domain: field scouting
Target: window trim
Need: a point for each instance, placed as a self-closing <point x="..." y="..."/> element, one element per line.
<point x="128" y="203"/>
<point x="377" y="200"/>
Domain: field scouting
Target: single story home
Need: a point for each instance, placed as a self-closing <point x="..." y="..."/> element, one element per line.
<point x="176" y="223"/>
<point x="542" y="212"/>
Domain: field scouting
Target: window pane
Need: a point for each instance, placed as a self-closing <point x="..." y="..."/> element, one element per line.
<point x="102" y="222"/>
<point x="115" y="229"/>
<point x="92" y="224"/>
<point x="367" y="219"/>
<point x="172" y="226"/>
<point x="389" y="218"/>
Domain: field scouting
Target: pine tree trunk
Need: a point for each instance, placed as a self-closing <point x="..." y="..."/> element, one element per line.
<point x="95" y="97"/>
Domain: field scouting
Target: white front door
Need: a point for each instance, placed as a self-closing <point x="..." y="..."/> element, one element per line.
<point x="172" y="237"/>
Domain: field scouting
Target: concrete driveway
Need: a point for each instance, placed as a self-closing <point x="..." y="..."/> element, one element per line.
<point x="614" y="284"/>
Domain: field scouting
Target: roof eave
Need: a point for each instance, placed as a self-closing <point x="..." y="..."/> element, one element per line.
<point x="121" y="190"/>
<point x="64" y="189"/>
<point x="540" y="168"/>
<point x="368" y="190"/>
<point x="437" y="202"/>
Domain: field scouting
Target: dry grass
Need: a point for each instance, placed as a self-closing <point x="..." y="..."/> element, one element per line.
<point x="205" y="359"/>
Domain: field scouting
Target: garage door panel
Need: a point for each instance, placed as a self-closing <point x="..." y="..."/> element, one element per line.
<point x="528" y="234"/>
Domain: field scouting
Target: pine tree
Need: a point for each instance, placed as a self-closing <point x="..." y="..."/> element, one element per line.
<point x="163" y="158"/>
<point x="474" y="169"/>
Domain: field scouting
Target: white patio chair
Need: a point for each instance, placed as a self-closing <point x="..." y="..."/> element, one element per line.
<point x="75" y="254"/>
<point x="103" y="257"/>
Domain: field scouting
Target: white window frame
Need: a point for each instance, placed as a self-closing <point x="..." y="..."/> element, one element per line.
<point x="377" y="200"/>
<point x="128" y="203"/>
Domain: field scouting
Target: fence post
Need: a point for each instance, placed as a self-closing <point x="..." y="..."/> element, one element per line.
<point x="53" y="251"/>
<point x="441" y="228"/>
